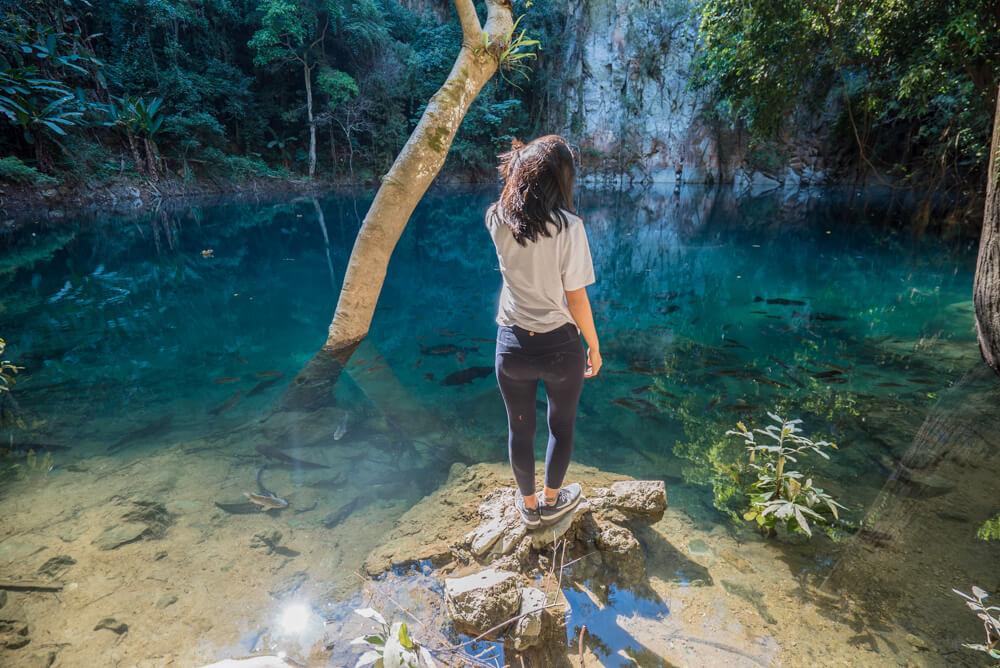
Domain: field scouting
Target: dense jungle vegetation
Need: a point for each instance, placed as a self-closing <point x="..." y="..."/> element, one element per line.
<point x="244" y="88"/>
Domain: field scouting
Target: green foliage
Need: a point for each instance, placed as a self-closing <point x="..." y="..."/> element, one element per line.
<point x="990" y="529"/>
<point x="391" y="646"/>
<point x="338" y="86"/>
<point x="175" y="86"/>
<point x="135" y="116"/>
<point x="778" y="495"/>
<point x="990" y="616"/>
<point x="32" y="467"/>
<point x="13" y="169"/>
<point x="7" y="370"/>
<point x="916" y="82"/>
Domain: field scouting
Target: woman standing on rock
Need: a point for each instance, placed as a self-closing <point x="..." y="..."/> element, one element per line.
<point x="546" y="265"/>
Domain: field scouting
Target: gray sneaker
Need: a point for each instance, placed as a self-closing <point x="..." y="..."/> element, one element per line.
<point x="567" y="499"/>
<point x="531" y="518"/>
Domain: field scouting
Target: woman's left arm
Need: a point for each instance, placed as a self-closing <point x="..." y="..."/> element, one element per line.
<point x="579" y="308"/>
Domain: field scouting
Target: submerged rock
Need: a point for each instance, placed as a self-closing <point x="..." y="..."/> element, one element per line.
<point x="120" y="534"/>
<point x="639" y="497"/>
<point x="13" y="633"/>
<point x="483" y="600"/>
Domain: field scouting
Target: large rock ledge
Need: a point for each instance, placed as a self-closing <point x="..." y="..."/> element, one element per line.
<point x="437" y="528"/>
<point x="502" y="572"/>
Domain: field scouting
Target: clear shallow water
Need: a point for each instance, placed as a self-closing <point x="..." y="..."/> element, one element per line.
<point x="711" y="309"/>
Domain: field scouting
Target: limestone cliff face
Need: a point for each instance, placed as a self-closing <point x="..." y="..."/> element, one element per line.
<point x="636" y="118"/>
<point x="631" y="109"/>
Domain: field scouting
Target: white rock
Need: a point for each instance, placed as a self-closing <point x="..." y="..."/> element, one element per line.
<point x="480" y="601"/>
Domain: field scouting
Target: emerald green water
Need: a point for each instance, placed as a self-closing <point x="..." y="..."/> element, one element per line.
<point x="711" y="309"/>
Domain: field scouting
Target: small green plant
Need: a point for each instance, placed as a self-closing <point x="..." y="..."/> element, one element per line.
<point x="513" y="57"/>
<point x="991" y="621"/>
<point x="990" y="529"/>
<point x="391" y="646"/>
<point x="12" y="169"/>
<point x="778" y="495"/>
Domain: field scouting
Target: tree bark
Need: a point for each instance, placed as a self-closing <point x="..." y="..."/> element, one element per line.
<point x="312" y="121"/>
<point x="402" y="187"/>
<point x="986" y="286"/>
<point x="140" y="166"/>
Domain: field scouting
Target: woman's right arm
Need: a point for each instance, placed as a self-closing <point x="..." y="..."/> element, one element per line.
<point x="579" y="308"/>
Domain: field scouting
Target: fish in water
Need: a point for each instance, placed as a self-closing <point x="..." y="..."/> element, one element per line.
<point x="446" y="349"/>
<point x="818" y="316"/>
<point x="263" y="385"/>
<point x="827" y="374"/>
<point x="226" y="405"/>
<point x="838" y="380"/>
<point x="780" y="301"/>
<point x="667" y="310"/>
<point x="768" y="381"/>
<point x="227" y="379"/>
<point x="270" y="373"/>
<point x="154" y="428"/>
<point x="835" y="367"/>
<point x="467" y="375"/>
<point x="244" y="508"/>
<point x="265" y="499"/>
<point x="921" y="381"/>
<point x="342" y="427"/>
<point x="278" y="455"/>
<point x="429" y="376"/>
<point x="340" y="514"/>
<point x="265" y="502"/>
<point x="889" y="385"/>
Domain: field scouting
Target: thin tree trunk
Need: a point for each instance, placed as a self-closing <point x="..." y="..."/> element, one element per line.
<point x="140" y="166"/>
<point x="312" y="121"/>
<point x="333" y="150"/>
<point x="154" y="173"/>
<point x="986" y="286"/>
<point x="402" y="187"/>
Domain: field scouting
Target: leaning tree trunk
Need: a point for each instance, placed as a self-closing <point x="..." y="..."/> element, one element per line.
<point x="312" y="121"/>
<point x="402" y="187"/>
<point x="986" y="287"/>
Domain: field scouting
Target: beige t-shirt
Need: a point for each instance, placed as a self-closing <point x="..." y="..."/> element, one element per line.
<point x="537" y="276"/>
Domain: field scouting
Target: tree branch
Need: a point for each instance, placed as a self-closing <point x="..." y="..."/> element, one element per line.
<point x="472" y="32"/>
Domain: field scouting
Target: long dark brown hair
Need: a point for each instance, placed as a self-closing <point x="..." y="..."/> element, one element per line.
<point x="538" y="186"/>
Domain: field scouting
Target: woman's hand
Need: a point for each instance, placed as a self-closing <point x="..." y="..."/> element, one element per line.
<point x="594" y="363"/>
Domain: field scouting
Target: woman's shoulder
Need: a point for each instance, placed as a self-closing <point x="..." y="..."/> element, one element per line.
<point x="571" y="218"/>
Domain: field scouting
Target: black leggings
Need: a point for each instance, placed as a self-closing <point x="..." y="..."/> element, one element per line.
<point x="557" y="359"/>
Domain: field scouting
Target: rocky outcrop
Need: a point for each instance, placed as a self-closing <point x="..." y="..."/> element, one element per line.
<point x="483" y="600"/>
<point x="505" y="573"/>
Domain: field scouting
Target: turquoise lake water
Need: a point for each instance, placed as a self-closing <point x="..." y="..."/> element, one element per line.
<point x="189" y="323"/>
